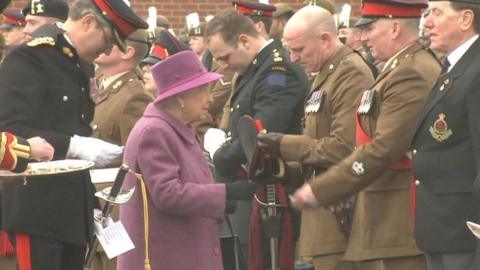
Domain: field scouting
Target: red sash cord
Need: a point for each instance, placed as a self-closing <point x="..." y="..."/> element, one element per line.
<point x="6" y="248"/>
<point x="405" y="163"/>
<point x="23" y="251"/>
<point x="255" y="249"/>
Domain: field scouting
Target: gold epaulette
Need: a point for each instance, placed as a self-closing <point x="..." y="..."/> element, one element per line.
<point x="40" y="41"/>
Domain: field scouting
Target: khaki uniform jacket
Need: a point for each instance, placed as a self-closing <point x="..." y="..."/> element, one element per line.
<point x="329" y="137"/>
<point x="224" y="121"/>
<point x="383" y="223"/>
<point x="118" y="108"/>
<point x="220" y="91"/>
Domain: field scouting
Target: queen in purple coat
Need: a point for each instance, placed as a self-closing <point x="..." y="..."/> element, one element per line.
<point x="184" y="204"/>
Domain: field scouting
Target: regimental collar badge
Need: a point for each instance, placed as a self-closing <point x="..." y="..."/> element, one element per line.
<point x="440" y="131"/>
<point x="117" y="86"/>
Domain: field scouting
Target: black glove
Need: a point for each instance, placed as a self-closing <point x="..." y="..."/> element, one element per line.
<point x="269" y="143"/>
<point x="240" y="190"/>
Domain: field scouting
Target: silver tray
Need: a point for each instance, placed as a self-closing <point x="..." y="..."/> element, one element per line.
<point x="50" y="168"/>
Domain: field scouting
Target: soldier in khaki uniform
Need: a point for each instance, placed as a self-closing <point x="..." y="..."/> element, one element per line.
<point x="378" y="172"/>
<point x="121" y="97"/>
<point x="120" y="102"/>
<point x="220" y="92"/>
<point x="329" y="134"/>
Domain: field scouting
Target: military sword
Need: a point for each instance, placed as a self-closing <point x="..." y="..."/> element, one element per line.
<point x="106" y="212"/>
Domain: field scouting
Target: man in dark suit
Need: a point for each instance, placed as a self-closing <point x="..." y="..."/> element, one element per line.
<point x="44" y="91"/>
<point x="269" y="87"/>
<point x="446" y="144"/>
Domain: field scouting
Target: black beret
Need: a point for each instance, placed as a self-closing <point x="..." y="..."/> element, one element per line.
<point x="47" y="8"/>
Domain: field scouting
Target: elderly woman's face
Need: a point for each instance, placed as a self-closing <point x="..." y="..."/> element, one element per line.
<point x="196" y="104"/>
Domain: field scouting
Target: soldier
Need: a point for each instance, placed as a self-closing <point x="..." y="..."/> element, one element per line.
<point x="329" y="134"/>
<point x="259" y="13"/>
<point x="12" y="36"/>
<point x="351" y="35"/>
<point x="42" y="12"/>
<point x="15" y="153"/>
<point x="376" y="176"/>
<point x="196" y="41"/>
<point x="446" y="144"/>
<point x="280" y="17"/>
<point x="269" y="87"/>
<point x="12" y="29"/>
<point x="165" y="45"/>
<point x="122" y="98"/>
<point x="52" y="216"/>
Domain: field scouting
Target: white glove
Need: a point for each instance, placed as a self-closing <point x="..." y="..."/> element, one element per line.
<point x="93" y="149"/>
<point x="214" y="138"/>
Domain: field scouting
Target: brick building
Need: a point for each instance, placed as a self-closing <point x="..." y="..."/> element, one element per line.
<point x="176" y="10"/>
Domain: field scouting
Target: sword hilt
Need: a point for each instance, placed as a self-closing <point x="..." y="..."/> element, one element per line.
<point x="115" y="190"/>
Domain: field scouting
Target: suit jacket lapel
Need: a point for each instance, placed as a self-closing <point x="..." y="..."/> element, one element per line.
<point x="446" y="81"/>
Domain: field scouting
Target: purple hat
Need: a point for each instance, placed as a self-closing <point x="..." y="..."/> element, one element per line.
<point x="179" y="73"/>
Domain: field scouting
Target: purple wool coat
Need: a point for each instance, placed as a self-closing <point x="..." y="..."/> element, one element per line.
<point x="185" y="205"/>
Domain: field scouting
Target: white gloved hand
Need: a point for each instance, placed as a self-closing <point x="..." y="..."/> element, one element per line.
<point x="214" y="138"/>
<point x="93" y="149"/>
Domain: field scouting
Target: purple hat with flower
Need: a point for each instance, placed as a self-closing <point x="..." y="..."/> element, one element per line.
<point x="180" y="73"/>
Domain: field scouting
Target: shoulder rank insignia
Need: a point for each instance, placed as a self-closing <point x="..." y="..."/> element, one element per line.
<point x="40" y="41"/>
<point x="279" y="68"/>
<point x="439" y="130"/>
